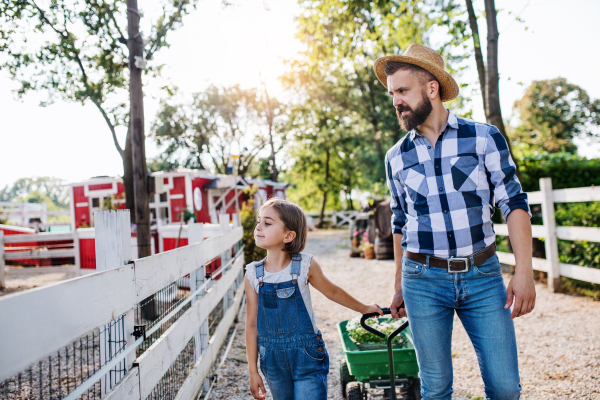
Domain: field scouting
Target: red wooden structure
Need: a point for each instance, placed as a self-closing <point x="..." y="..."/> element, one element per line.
<point x="199" y="192"/>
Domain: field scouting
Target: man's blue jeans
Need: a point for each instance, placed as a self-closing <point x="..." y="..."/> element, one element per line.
<point x="431" y="297"/>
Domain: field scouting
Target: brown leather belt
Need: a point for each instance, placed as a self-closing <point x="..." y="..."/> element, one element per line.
<point x="455" y="264"/>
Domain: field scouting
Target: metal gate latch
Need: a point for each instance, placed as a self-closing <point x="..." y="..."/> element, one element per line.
<point x="139" y="330"/>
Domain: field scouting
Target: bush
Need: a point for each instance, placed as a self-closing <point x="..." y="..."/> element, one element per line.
<point x="248" y="216"/>
<point x="566" y="170"/>
<point x="579" y="214"/>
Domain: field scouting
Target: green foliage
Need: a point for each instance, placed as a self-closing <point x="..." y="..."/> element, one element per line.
<point x="216" y="123"/>
<point x="72" y="51"/>
<point x="41" y="190"/>
<point x="346" y="121"/>
<point x="566" y="171"/>
<point x="248" y="216"/>
<point x="35" y="190"/>
<point x="579" y="214"/>
<point x="552" y="113"/>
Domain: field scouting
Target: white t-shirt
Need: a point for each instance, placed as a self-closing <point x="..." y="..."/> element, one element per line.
<point x="285" y="275"/>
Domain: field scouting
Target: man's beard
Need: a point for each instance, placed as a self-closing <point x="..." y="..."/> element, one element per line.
<point x="414" y="118"/>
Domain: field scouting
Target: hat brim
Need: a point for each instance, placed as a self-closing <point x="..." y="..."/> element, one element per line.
<point x="448" y="86"/>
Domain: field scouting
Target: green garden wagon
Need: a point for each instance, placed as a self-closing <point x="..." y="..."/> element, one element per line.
<point x="363" y="370"/>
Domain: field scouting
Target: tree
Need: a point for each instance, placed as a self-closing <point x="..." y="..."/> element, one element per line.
<point x="72" y="51"/>
<point x="217" y="123"/>
<point x="488" y="72"/>
<point x="53" y="188"/>
<point x="41" y="190"/>
<point x="553" y="112"/>
<point x="335" y="83"/>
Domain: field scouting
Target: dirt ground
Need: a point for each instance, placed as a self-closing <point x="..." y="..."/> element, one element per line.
<point x="22" y="278"/>
<point x="559" y="342"/>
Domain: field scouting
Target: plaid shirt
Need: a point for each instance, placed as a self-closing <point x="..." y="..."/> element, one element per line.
<point x="443" y="198"/>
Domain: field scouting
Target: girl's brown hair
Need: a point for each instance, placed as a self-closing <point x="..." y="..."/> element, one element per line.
<point x="293" y="219"/>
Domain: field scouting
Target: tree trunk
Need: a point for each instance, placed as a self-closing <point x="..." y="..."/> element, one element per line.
<point x="494" y="113"/>
<point x="349" y="205"/>
<point x="478" y="53"/>
<point x="138" y="151"/>
<point x="325" y="190"/>
<point x="274" y="172"/>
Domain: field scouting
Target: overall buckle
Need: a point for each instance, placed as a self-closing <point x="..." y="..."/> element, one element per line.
<point x="452" y="269"/>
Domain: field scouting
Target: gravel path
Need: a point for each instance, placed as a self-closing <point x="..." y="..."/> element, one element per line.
<point x="559" y="343"/>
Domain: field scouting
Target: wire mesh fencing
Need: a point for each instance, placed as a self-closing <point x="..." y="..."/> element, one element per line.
<point x="57" y="375"/>
<point x="60" y="373"/>
<point x="169" y="385"/>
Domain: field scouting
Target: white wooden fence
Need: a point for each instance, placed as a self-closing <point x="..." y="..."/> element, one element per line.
<point x="20" y="213"/>
<point x="39" y="322"/>
<point x="337" y="218"/>
<point x="551" y="233"/>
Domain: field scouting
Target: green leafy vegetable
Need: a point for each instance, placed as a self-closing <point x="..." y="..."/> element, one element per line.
<point x="359" y="335"/>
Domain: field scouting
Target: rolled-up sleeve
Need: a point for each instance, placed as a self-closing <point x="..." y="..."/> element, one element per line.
<point x="398" y="203"/>
<point x="502" y="170"/>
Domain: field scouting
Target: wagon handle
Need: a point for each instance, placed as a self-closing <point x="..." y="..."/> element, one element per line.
<point x="386" y="311"/>
<point x="391" y="337"/>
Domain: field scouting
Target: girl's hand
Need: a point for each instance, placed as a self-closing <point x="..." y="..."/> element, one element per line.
<point x="372" y="308"/>
<point x="256" y="383"/>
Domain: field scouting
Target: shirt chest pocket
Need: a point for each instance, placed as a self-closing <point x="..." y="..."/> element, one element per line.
<point x="465" y="173"/>
<point x="415" y="183"/>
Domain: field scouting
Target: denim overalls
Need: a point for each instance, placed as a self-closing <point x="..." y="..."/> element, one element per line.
<point x="292" y="356"/>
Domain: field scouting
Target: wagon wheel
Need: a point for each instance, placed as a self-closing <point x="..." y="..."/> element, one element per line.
<point x="414" y="389"/>
<point x="345" y="376"/>
<point x="354" y="391"/>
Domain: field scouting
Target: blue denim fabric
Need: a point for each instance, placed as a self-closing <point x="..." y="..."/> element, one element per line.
<point x="431" y="296"/>
<point x="292" y="357"/>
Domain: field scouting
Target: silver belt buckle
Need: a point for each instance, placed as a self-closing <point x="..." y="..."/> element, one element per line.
<point x="465" y="259"/>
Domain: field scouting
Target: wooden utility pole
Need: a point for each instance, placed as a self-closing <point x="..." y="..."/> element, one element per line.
<point x="136" y="121"/>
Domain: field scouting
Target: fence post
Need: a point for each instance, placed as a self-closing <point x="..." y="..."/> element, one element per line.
<point x="77" y="252"/>
<point x="550" y="239"/>
<point x="113" y="250"/>
<point x="236" y="220"/>
<point x="225" y="257"/>
<point x="2" y="282"/>
<point x="197" y="279"/>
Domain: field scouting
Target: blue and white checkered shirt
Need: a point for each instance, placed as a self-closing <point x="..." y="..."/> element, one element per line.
<point x="443" y="198"/>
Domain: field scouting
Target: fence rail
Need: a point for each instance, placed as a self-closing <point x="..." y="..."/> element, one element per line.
<point x="40" y="323"/>
<point x="336" y="218"/>
<point x="552" y="233"/>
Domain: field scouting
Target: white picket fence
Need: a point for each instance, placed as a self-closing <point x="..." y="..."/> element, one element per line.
<point x="37" y="323"/>
<point x="551" y="233"/>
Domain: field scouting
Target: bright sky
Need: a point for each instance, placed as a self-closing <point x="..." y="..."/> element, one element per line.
<point x="234" y="45"/>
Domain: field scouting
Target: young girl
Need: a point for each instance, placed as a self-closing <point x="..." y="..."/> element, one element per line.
<point x="280" y="323"/>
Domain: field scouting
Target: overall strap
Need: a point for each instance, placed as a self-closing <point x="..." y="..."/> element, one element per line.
<point x="296" y="260"/>
<point x="260" y="271"/>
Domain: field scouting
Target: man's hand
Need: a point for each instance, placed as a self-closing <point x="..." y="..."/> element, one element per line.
<point x="256" y="383"/>
<point x="398" y="301"/>
<point x="522" y="289"/>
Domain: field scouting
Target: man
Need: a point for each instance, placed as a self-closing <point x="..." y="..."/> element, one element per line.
<point x="445" y="177"/>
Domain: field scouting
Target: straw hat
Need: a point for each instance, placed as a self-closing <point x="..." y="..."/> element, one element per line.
<point x="427" y="59"/>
